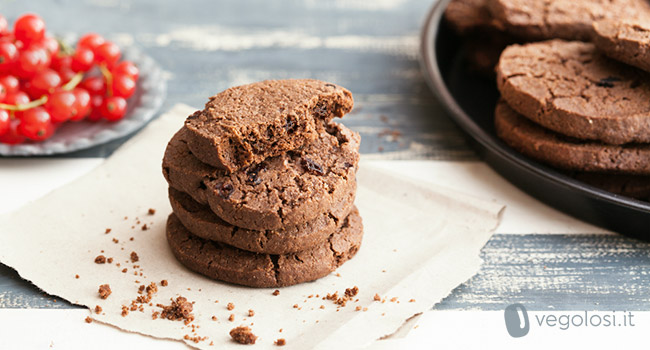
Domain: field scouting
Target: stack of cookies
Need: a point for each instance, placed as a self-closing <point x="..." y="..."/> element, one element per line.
<point x="262" y="184"/>
<point x="575" y="94"/>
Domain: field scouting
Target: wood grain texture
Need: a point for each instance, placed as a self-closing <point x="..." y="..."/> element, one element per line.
<point x="558" y="272"/>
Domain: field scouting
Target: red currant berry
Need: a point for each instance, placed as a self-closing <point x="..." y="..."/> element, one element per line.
<point x="4" y="121"/>
<point x="107" y="53"/>
<point x="113" y="108"/>
<point x="31" y="60"/>
<point x="90" y="41"/>
<point x="95" y="108"/>
<point x="50" y="44"/>
<point x="29" y="28"/>
<point x="4" y="26"/>
<point x="3" y="92"/>
<point x="126" y="68"/>
<point x="122" y="86"/>
<point x="94" y="85"/>
<point x="44" y="82"/>
<point x="16" y="98"/>
<point x="12" y="136"/>
<point x="36" y="124"/>
<point x="61" y="105"/>
<point x="82" y="60"/>
<point x="8" y="55"/>
<point x="81" y="105"/>
<point x="11" y="83"/>
<point x="60" y="61"/>
<point x="66" y="74"/>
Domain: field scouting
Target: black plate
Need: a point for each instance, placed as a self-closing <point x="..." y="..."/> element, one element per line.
<point x="470" y="101"/>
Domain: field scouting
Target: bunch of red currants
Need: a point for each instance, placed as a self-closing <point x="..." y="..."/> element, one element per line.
<point x="44" y="83"/>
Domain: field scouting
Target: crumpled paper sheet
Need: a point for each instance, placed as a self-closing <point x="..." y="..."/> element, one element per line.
<point x="420" y="242"/>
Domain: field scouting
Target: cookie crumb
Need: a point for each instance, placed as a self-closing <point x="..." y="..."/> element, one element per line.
<point x="231" y="318"/>
<point x="180" y="309"/>
<point x="89" y="320"/>
<point x="412" y="301"/>
<point x="322" y="306"/>
<point x="243" y="335"/>
<point x="104" y="291"/>
<point x="109" y="260"/>
<point x="350" y="292"/>
<point x="115" y="240"/>
<point x="276" y="292"/>
<point x="164" y="283"/>
<point x="108" y="230"/>
<point x="76" y="276"/>
<point x="100" y="259"/>
<point x="230" y="306"/>
<point x="214" y="318"/>
<point x="376" y="297"/>
<point x="134" y="257"/>
<point x="251" y="313"/>
<point x="393" y="299"/>
<point x="280" y="342"/>
<point x="131" y="239"/>
<point x="151" y="211"/>
<point x="145" y="227"/>
<point x="98" y="309"/>
<point x="295" y="306"/>
<point x="124" y="270"/>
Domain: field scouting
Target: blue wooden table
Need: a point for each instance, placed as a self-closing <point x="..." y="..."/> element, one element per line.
<point x="370" y="47"/>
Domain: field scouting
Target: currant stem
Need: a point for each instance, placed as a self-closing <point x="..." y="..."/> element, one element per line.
<point x="76" y="79"/>
<point x="39" y="102"/>
<point x="108" y="76"/>
<point x="64" y="48"/>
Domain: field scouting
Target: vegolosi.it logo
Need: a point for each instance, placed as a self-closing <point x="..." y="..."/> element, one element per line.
<point x="516" y="318"/>
<point x="518" y="323"/>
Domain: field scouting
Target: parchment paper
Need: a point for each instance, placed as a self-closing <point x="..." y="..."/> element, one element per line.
<point x="420" y="242"/>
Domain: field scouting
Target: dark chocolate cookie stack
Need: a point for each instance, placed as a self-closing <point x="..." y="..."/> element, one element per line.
<point x="262" y="184"/>
<point x="576" y="94"/>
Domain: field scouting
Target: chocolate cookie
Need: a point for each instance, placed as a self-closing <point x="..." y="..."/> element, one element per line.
<point x="288" y="190"/>
<point x="202" y="222"/>
<point x="562" y="19"/>
<point x="469" y="15"/>
<point x="625" y="41"/>
<point x="246" y="124"/>
<point x="566" y="153"/>
<point x="225" y="263"/>
<point x="571" y="88"/>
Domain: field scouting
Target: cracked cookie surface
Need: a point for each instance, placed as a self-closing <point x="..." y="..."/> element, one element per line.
<point x="202" y="222"/>
<point x="287" y="190"/>
<point x="624" y="40"/>
<point x="225" y="263"/>
<point x="246" y="124"/>
<point x="564" y="19"/>
<point x="571" y="88"/>
<point x="557" y="150"/>
<point x="469" y="15"/>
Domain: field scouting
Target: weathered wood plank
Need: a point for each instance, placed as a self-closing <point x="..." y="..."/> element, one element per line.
<point x="562" y="272"/>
